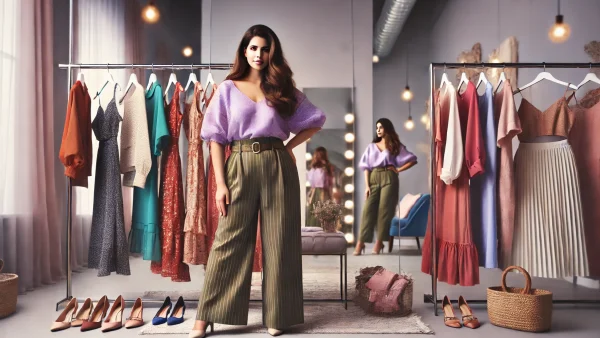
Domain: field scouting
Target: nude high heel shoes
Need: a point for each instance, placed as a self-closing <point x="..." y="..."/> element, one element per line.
<point x="136" y="318"/>
<point x="65" y="318"/>
<point x="95" y="320"/>
<point x="84" y="313"/>
<point x="114" y="320"/>
<point x="201" y="333"/>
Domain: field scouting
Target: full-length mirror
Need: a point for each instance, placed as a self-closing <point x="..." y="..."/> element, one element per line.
<point x="330" y="157"/>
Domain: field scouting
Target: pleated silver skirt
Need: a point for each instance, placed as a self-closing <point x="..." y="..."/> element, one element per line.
<point x="549" y="235"/>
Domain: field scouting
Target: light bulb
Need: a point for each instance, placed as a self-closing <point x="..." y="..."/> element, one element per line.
<point x="349" y="204"/>
<point x="150" y="13"/>
<point x="349" y="188"/>
<point x="560" y="31"/>
<point x="349" y="237"/>
<point x="348" y="219"/>
<point x="409" y="124"/>
<point x="407" y="95"/>
<point x="349" y="154"/>
<point x="349" y="137"/>
<point x="308" y="156"/>
<point x="307" y="184"/>
<point x="349" y="118"/>
<point x="187" y="51"/>
<point x="349" y="171"/>
<point x="375" y="58"/>
<point x="425" y="119"/>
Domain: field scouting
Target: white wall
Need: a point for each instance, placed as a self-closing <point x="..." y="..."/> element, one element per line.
<point x="316" y="37"/>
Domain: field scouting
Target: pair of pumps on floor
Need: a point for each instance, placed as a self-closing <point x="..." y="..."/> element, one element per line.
<point x="91" y="318"/>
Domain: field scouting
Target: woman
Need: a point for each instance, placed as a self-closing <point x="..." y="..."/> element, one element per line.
<point x="320" y="177"/>
<point x="381" y="162"/>
<point x="254" y="109"/>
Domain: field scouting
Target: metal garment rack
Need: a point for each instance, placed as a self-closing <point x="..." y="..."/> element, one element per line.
<point x="432" y="298"/>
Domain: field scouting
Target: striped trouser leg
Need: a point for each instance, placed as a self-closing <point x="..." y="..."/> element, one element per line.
<point x="388" y="201"/>
<point x="370" y="210"/>
<point x="229" y="270"/>
<point x="282" y="243"/>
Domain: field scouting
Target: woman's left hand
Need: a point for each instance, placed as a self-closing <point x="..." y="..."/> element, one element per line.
<point x="291" y="152"/>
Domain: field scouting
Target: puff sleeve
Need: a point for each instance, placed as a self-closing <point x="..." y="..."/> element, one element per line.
<point x="216" y="118"/>
<point x="306" y="116"/>
<point x="364" y="164"/>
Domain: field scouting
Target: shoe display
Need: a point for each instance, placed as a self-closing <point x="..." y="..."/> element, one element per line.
<point x="136" y="317"/>
<point x="469" y="320"/>
<point x="449" y="317"/>
<point x="176" y="316"/>
<point x="65" y="318"/>
<point x="114" y="320"/>
<point x="163" y="312"/>
<point x="84" y="313"/>
<point x="98" y="314"/>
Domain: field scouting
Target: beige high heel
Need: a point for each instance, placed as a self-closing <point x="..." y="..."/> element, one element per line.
<point x="202" y="333"/>
<point x="114" y="320"/>
<point x="274" y="332"/>
<point x="136" y="318"/>
<point x="65" y="318"/>
<point x="359" y="250"/>
<point x="84" y="313"/>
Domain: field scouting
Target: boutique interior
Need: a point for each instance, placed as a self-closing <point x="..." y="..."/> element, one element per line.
<point x="488" y="223"/>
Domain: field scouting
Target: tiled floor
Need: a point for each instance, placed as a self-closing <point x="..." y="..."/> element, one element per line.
<point x="35" y="310"/>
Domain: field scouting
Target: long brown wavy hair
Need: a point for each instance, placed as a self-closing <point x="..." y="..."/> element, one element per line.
<point x="277" y="83"/>
<point x="321" y="160"/>
<point x="392" y="141"/>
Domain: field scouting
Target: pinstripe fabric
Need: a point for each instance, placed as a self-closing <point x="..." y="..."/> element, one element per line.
<point x="380" y="206"/>
<point x="257" y="181"/>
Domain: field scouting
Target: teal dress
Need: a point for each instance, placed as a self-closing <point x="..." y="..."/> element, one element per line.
<point x="144" y="235"/>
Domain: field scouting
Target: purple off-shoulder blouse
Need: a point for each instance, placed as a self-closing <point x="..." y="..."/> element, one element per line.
<point x="231" y="116"/>
<point x="375" y="158"/>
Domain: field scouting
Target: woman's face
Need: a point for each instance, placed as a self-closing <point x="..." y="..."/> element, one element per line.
<point x="380" y="131"/>
<point x="257" y="53"/>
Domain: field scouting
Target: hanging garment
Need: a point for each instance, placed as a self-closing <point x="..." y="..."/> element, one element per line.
<point x="108" y="242"/>
<point x="483" y="187"/>
<point x="135" y="144"/>
<point x="76" y="146"/>
<point x="509" y="126"/>
<point x="457" y="258"/>
<point x="171" y="203"/>
<point x="144" y="236"/>
<point x="585" y="141"/>
<point x="549" y="235"/>
<point x="194" y="248"/>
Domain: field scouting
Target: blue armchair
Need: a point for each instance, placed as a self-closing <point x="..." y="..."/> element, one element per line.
<point x="414" y="225"/>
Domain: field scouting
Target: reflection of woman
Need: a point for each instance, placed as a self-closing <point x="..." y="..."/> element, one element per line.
<point x="382" y="161"/>
<point x="254" y="110"/>
<point x="320" y="177"/>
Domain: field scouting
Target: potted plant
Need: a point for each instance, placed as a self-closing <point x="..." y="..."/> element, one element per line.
<point x="328" y="213"/>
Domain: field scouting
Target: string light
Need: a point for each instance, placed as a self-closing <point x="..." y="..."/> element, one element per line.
<point x="349" y="171"/>
<point x="375" y="58"/>
<point x="150" y="13"/>
<point x="349" y="118"/>
<point x="560" y="31"/>
<point x="187" y="51"/>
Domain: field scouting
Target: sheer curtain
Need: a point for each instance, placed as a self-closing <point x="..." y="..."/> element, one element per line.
<point x="105" y="31"/>
<point x="30" y="228"/>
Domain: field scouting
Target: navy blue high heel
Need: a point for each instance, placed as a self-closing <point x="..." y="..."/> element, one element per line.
<point x="176" y="316"/>
<point x="163" y="312"/>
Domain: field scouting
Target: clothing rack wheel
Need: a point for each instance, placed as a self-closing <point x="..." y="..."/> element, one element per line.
<point x="432" y="298"/>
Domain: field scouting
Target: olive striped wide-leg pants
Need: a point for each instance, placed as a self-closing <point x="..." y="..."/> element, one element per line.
<point x="267" y="181"/>
<point x="380" y="207"/>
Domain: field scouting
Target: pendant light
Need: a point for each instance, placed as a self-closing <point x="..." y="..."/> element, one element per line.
<point x="150" y="13"/>
<point x="560" y="31"/>
<point x="407" y="95"/>
<point x="409" y="124"/>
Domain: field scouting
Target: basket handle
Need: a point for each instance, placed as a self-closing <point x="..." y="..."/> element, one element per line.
<point x="527" y="288"/>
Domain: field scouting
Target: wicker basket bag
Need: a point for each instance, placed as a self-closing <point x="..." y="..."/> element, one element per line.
<point x="362" y="295"/>
<point x="517" y="308"/>
<point x="9" y="289"/>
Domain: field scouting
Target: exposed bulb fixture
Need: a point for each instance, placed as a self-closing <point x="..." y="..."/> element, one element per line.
<point x="150" y="13"/>
<point x="349" y="204"/>
<point x="425" y="119"/>
<point x="349" y="171"/>
<point x="187" y="51"/>
<point x="308" y="156"/>
<point x="349" y="188"/>
<point x="409" y="124"/>
<point x="349" y="118"/>
<point x="348" y="219"/>
<point x="307" y="184"/>
<point x="560" y="31"/>
<point x="349" y="137"/>
<point x="349" y="154"/>
<point x="349" y="237"/>
<point x="375" y="58"/>
<point x="407" y="95"/>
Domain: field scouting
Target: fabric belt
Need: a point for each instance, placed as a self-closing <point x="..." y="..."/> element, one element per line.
<point x="257" y="145"/>
<point x="382" y="169"/>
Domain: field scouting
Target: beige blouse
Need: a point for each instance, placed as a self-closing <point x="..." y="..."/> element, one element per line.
<point x="135" y="142"/>
<point x="453" y="151"/>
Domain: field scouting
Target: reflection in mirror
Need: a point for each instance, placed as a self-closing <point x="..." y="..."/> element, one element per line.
<point x="330" y="157"/>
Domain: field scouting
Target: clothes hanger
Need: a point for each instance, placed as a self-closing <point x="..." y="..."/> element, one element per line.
<point x="151" y="79"/>
<point x="463" y="80"/>
<point x="172" y="80"/>
<point x="501" y="79"/>
<point x="109" y="79"/>
<point x="589" y="77"/>
<point x="482" y="79"/>
<point x="132" y="80"/>
<point x="81" y="78"/>
<point x="445" y="80"/>
<point x="545" y="76"/>
<point x="209" y="79"/>
<point x="192" y="79"/>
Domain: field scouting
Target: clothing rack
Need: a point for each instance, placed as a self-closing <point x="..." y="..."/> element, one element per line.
<point x="432" y="298"/>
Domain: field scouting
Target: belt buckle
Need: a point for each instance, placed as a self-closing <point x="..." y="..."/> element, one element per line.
<point x="257" y="149"/>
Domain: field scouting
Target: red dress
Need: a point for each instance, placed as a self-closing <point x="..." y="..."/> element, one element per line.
<point x="457" y="258"/>
<point x="171" y="203"/>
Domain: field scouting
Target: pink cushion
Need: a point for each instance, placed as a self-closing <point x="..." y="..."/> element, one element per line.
<point x="406" y="204"/>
